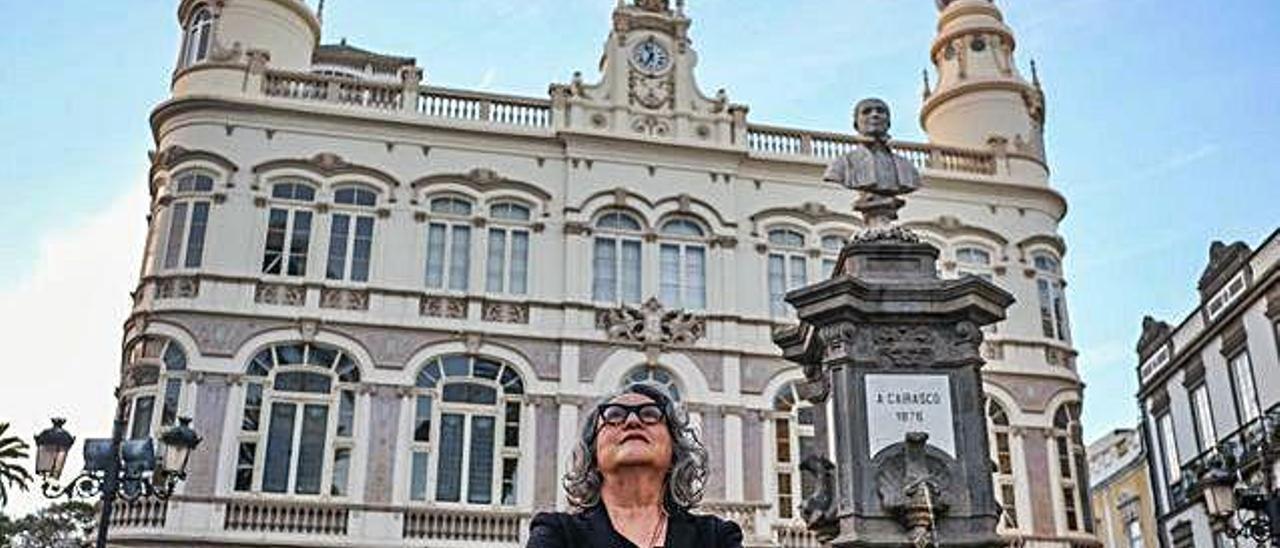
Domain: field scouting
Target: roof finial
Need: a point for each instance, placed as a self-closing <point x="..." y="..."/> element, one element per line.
<point x="1035" y="75"/>
<point x="679" y="7"/>
<point x="925" y="73"/>
<point x="320" y="12"/>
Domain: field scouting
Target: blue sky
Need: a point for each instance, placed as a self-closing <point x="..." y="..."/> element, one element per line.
<point x="1163" y="131"/>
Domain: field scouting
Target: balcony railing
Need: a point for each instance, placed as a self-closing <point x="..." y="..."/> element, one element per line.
<point x="488" y="527"/>
<point x="142" y="514"/>
<point x="795" y="535"/>
<point x="817" y="145"/>
<point x="286" y="517"/>
<point x="1243" y="450"/>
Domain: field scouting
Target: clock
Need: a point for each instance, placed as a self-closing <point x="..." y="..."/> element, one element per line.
<point x="650" y="56"/>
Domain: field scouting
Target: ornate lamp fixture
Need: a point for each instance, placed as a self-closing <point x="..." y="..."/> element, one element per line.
<point x="1225" y="500"/>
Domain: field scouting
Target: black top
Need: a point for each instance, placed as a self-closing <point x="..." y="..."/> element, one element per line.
<point x="593" y="529"/>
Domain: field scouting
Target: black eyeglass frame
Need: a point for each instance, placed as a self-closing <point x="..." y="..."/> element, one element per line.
<point x="631" y="410"/>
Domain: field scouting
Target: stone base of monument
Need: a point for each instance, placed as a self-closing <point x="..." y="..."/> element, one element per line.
<point x="897" y="350"/>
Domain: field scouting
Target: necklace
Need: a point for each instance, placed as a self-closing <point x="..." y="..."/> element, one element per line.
<point x="659" y="527"/>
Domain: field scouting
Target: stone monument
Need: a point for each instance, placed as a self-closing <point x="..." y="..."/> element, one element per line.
<point x="896" y="349"/>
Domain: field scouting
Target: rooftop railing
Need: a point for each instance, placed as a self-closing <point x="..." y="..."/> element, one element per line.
<point x="503" y="112"/>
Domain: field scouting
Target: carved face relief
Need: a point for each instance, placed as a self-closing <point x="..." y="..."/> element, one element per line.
<point x="871" y="117"/>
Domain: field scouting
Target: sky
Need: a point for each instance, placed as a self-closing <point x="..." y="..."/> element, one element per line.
<point x="1162" y="134"/>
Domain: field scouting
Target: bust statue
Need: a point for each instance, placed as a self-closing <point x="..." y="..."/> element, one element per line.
<point x="872" y="168"/>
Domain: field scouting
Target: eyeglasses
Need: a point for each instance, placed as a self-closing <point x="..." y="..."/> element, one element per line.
<point x="614" y="414"/>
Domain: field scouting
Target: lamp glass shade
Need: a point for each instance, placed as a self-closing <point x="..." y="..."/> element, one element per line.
<point x="173" y="459"/>
<point x="176" y="445"/>
<point x="50" y="460"/>
<point x="1219" y="499"/>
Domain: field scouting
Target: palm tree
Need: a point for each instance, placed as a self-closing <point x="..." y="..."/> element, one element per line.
<point x="12" y="451"/>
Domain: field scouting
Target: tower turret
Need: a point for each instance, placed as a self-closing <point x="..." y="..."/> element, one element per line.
<point x="981" y="99"/>
<point x="220" y="36"/>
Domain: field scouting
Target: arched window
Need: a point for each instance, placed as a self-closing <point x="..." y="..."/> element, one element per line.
<point x="1069" y="450"/>
<point x="466" y="431"/>
<point x="832" y="244"/>
<point x="655" y="375"/>
<point x="197" y="37"/>
<point x="449" y="244"/>
<point x="1002" y="455"/>
<point x="974" y="261"/>
<point x="298" y="421"/>
<point x="788" y="268"/>
<point x="288" y="229"/>
<point x="683" y="262"/>
<point x="153" y="377"/>
<point x="616" y="271"/>
<point x="351" y="234"/>
<point x="793" y="440"/>
<point x="188" y="219"/>
<point x="507" y="265"/>
<point x="1053" y="300"/>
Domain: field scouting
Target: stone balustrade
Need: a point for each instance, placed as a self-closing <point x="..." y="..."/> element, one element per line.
<point x="503" y="112"/>
<point x="145" y="513"/>
<point x="489" y="527"/>
<point x="286" y="517"/>
<point x="795" y="535"/>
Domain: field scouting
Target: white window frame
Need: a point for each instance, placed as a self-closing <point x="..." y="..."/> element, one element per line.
<point x="1071" y="479"/>
<point x="292" y="207"/>
<point x="998" y="427"/>
<point x="450" y="222"/>
<point x="333" y="443"/>
<point x="502" y="453"/>
<point x="687" y="296"/>
<point x="509" y="226"/>
<point x="1202" y="412"/>
<point x="1169" y="445"/>
<point x="619" y="239"/>
<point x="789" y="254"/>
<point x="787" y="405"/>
<point x="1050" y="288"/>
<point x="354" y="213"/>
<point x="197" y="36"/>
<point x="1244" y="387"/>
<point x="169" y="369"/>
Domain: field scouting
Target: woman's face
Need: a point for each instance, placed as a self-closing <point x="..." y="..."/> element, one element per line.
<point x="632" y="442"/>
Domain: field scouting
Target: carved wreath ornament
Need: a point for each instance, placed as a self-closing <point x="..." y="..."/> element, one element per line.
<point x="651" y="323"/>
<point x="900" y="345"/>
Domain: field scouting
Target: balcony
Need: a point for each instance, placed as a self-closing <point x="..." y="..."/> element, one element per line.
<point x="1245" y="451"/>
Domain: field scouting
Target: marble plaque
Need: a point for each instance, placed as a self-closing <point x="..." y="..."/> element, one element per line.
<point x="898" y="404"/>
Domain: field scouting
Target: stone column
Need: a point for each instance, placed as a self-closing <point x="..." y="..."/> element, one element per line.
<point x="547" y="454"/>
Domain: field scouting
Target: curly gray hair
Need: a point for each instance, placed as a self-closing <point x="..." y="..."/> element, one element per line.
<point x="686" y="477"/>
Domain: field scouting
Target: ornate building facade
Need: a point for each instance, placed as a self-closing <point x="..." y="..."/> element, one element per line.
<point x="1209" y="390"/>
<point x="1120" y="491"/>
<point x="386" y="303"/>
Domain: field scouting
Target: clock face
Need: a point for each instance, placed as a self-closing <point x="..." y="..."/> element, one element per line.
<point x="650" y="56"/>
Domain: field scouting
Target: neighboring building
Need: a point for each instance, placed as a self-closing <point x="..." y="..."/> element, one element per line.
<point x="1120" y="491"/>
<point x="387" y="303"/>
<point x="1208" y="385"/>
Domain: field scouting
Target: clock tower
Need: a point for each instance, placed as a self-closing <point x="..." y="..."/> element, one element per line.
<point x="646" y="88"/>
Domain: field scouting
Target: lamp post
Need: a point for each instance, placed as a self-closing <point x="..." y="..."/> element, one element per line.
<point x="1223" y="500"/>
<point x="115" y="468"/>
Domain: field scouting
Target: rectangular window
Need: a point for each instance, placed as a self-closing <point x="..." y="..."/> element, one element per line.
<point x="511" y="435"/>
<point x="1134" y="530"/>
<point x="1046" y="307"/>
<point x="1169" y="445"/>
<point x="418" y="481"/>
<point x="616" y="271"/>
<point x="1009" y="505"/>
<point x="422" y="420"/>
<point x="143" y="408"/>
<point x="252" y="407"/>
<point x="777" y="286"/>
<point x="169" y="411"/>
<point x="782" y="435"/>
<point x="295" y="227"/>
<point x="195" y="235"/>
<point x="1064" y="457"/>
<point x="346" y="414"/>
<point x="311" y="448"/>
<point x="1069" y="504"/>
<point x="480" y="467"/>
<point x="185" y="238"/>
<point x="509" y="481"/>
<point x="683" y="276"/>
<point x="448" y="256"/>
<point x="1200" y="409"/>
<point x="341" y="470"/>
<point x="507" y="270"/>
<point x="275" y="471"/>
<point x="245" y="459"/>
<point x="449" y="459"/>
<point x="1246" y="393"/>
<point x="784" y="495"/>
<point x="339" y="229"/>
<point x="177" y="227"/>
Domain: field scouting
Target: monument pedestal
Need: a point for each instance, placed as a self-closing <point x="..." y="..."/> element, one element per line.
<point x="897" y="351"/>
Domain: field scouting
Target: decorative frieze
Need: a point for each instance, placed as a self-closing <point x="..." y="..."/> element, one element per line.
<point x="280" y="294"/>
<point x="505" y="312"/>
<point x="177" y="287"/>
<point x="440" y="306"/>
<point x="344" y="298"/>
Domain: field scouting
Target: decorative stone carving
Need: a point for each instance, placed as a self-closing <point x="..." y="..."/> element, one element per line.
<point x="1153" y="331"/>
<point x="344" y="298"/>
<point x="651" y="126"/>
<point x="177" y="287"/>
<point x="819" y="509"/>
<point x="439" y="306"/>
<point x="914" y="484"/>
<point x="651" y="92"/>
<point x="504" y="312"/>
<point x="651" y="323"/>
<point x="308" y="328"/>
<point x="280" y="294"/>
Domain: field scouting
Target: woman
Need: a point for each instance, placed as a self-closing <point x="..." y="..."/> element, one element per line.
<point x="637" y="471"/>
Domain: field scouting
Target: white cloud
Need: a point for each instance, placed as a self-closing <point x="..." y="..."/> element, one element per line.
<point x="61" y="328"/>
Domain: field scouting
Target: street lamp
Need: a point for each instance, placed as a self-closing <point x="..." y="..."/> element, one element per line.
<point x="1223" y="500"/>
<point x="115" y="468"/>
